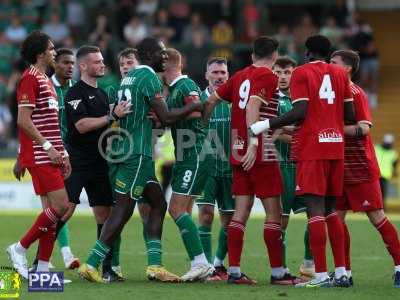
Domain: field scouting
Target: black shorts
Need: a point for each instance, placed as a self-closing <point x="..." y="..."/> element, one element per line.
<point x="96" y="182"/>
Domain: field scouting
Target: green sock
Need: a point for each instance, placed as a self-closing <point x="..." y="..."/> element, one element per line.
<point x="154" y="252"/>
<point x="205" y="238"/>
<point x="222" y="248"/>
<point x="284" y="248"/>
<point x="63" y="236"/>
<point x="307" y="249"/>
<point x="98" y="254"/>
<point x="190" y="235"/>
<point x="115" y="251"/>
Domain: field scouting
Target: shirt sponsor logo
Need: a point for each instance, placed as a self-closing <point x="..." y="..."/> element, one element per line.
<point x="24" y="98"/>
<point x="330" y="136"/>
<point x="75" y="103"/>
<point x="238" y="144"/>
<point x="128" y="80"/>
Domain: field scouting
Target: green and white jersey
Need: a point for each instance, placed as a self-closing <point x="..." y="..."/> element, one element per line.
<point x="61" y="92"/>
<point x="141" y="86"/>
<point x="181" y="90"/>
<point x="220" y="123"/>
<point x="284" y="106"/>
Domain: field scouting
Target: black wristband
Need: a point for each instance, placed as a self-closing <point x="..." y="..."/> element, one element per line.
<point x="250" y="132"/>
<point x="359" y="132"/>
<point x="114" y="115"/>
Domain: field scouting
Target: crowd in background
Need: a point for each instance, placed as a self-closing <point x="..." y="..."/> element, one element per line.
<point x="199" y="30"/>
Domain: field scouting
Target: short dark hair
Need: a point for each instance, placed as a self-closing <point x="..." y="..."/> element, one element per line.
<point x="264" y="46"/>
<point x="126" y="52"/>
<point x="319" y="45"/>
<point x="216" y="59"/>
<point x="147" y="47"/>
<point x="35" y="43"/>
<point x="284" y="62"/>
<point x="63" y="51"/>
<point x="85" y="50"/>
<point x="350" y="58"/>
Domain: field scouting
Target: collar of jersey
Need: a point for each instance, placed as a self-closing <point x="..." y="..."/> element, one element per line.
<point x="177" y="79"/>
<point x="207" y="92"/>
<point x="57" y="83"/>
<point x="281" y="94"/>
<point x="145" y="67"/>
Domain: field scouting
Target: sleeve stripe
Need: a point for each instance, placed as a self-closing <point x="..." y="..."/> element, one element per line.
<point x="365" y="122"/>
<point x="26" y="105"/>
<point x="348" y="100"/>
<point x="300" y="99"/>
<point x="259" y="98"/>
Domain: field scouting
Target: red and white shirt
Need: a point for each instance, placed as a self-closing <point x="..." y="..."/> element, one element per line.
<point x="249" y="82"/>
<point x="36" y="90"/>
<point x="326" y="87"/>
<point x="360" y="163"/>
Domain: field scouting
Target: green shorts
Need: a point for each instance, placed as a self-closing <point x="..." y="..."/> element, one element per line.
<point x="189" y="176"/>
<point x="289" y="200"/>
<point x="218" y="189"/>
<point x="131" y="176"/>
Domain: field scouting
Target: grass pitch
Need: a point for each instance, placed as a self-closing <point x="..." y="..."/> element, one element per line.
<point x="372" y="266"/>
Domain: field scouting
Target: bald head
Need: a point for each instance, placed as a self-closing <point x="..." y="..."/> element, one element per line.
<point x="174" y="59"/>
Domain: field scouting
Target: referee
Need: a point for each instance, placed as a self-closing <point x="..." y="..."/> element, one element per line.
<point x="87" y="114"/>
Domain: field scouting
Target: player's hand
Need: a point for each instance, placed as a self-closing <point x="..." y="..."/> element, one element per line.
<point x="66" y="168"/>
<point x="122" y="109"/>
<point x="249" y="158"/>
<point x="55" y="156"/>
<point x="154" y="118"/>
<point x="18" y="171"/>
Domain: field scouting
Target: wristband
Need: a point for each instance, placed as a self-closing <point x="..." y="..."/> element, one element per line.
<point x="114" y="115"/>
<point x="46" y="146"/>
<point x="66" y="153"/>
<point x="260" y="126"/>
<point x="359" y="132"/>
<point x="253" y="141"/>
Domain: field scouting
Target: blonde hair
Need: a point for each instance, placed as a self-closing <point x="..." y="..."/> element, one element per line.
<point x="174" y="58"/>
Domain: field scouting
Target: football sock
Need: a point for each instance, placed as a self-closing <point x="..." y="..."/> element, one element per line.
<point x="273" y="242"/>
<point x="347" y="246"/>
<point x="107" y="260"/>
<point x="235" y="243"/>
<point x="200" y="259"/>
<point x="284" y="241"/>
<point x="115" y="251"/>
<point x="63" y="236"/>
<point x="42" y="266"/>
<point x="307" y="249"/>
<point x="336" y="238"/>
<point x="222" y="248"/>
<point x="154" y="252"/>
<point x="97" y="254"/>
<point x="190" y="235"/>
<point x="317" y="230"/>
<point x="205" y="238"/>
<point x="46" y="218"/>
<point x="390" y="238"/>
<point x="234" y="271"/>
<point x="46" y="244"/>
<point x="339" y="272"/>
<point x="321" y="276"/>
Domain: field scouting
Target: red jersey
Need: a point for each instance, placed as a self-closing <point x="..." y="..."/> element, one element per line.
<point x="36" y="90"/>
<point x="360" y="164"/>
<point x="326" y="87"/>
<point x="249" y="82"/>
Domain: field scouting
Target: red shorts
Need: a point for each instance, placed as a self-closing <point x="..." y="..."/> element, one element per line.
<point x="320" y="177"/>
<point x="46" y="178"/>
<point x="263" y="180"/>
<point x="365" y="196"/>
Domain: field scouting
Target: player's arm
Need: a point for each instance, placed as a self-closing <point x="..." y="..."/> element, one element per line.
<point x="208" y="106"/>
<point x="285" y="138"/>
<point x="359" y="130"/>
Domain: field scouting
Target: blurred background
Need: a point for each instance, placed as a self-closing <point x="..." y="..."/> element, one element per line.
<point x="203" y="28"/>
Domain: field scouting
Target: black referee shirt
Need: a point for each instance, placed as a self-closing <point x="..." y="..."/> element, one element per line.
<point x="84" y="101"/>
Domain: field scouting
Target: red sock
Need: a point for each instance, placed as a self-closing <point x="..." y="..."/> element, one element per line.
<point x="390" y="238"/>
<point x="336" y="237"/>
<point x="273" y="242"/>
<point x="317" y="232"/>
<point x="46" y="243"/>
<point x="235" y="242"/>
<point x="45" y="219"/>
<point x="347" y="247"/>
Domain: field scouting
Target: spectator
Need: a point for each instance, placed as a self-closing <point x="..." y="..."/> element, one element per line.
<point x="146" y="8"/>
<point x="135" y="31"/>
<point x="222" y="38"/>
<point x="333" y="32"/>
<point x="124" y="12"/>
<point x="29" y="14"/>
<point x="75" y="16"/>
<point x="52" y="6"/>
<point x="302" y="31"/>
<point x="387" y="159"/>
<point x="7" y="55"/>
<point x="179" y="16"/>
<point x="196" y="24"/>
<point x="5" y="115"/>
<point x="6" y="10"/>
<point x="251" y="19"/>
<point x="55" y="28"/>
<point x="16" y="32"/>
<point x="102" y="29"/>
<point x="162" y="28"/>
<point x="284" y="37"/>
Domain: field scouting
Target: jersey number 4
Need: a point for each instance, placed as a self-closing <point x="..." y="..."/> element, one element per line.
<point x="325" y="91"/>
<point x="244" y="91"/>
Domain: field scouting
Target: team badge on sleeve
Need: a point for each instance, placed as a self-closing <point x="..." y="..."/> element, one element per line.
<point x="75" y="103"/>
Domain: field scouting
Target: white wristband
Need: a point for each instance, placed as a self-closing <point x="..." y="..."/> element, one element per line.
<point x="46" y="146"/>
<point x="66" y="153"/>
<point x="253" y="141"/>
<point x="260" y="126"/>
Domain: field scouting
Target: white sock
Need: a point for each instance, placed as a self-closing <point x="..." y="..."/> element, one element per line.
<point x="397" y="268"/>
<point x="218" y="262"/>
<point x="66" y="253"/>
<point x="21" y="250"/>
<point x="199" y="260"/>
<point x="321" y="276"/>
<point x="278" y="272"/>
<point x="339" y="272"/>
<point x="42" y="266"/>
<point x="348" y="273"/>
<point x="308" y="263"/>
<point x="235" y="271"/>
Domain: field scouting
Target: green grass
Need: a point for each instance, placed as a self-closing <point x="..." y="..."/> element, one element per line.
<point x="372" y="266"/>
